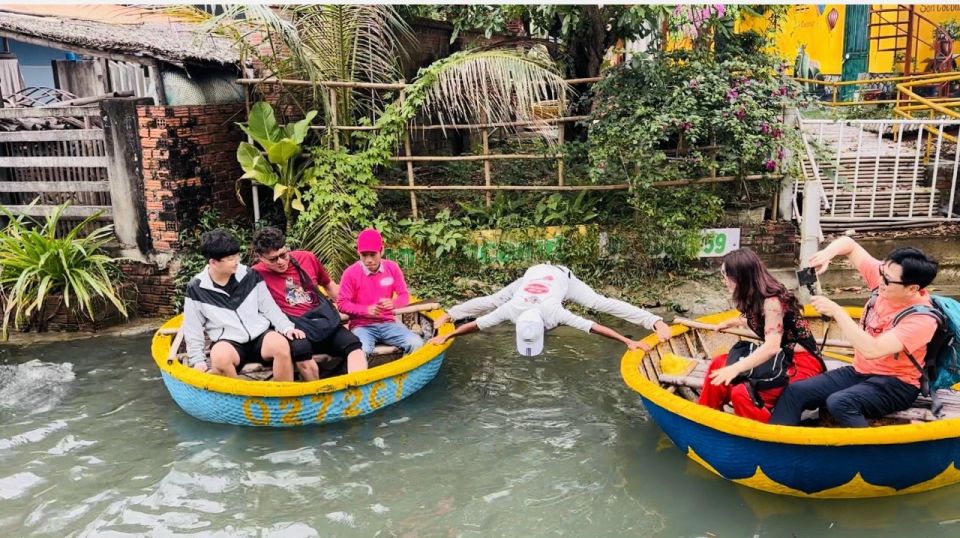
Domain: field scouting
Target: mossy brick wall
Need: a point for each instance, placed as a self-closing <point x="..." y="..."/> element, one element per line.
<point x="776" y="242"/>
<point x="155" y="287"/>
<point x="189" y="166"/>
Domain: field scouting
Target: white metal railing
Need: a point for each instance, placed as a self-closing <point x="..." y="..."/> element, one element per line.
<point x="892" y="171"/>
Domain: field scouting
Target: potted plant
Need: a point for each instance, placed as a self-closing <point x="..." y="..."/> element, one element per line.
<point x="39" y="270"/>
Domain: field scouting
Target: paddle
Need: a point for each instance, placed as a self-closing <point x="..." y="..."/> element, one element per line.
<point x="744" y="333"/>
<point x="175" y="346"/>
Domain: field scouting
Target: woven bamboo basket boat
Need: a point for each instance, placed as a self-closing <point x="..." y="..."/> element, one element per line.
<point x="908" y="452"/>
<point x="249" y="401"/>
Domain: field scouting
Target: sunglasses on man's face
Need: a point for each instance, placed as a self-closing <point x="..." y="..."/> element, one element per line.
<point x="887" y="281"/>
<point x="273" y="259"/>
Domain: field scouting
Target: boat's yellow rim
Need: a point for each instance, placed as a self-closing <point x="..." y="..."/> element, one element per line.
<point x="160" y="349"/>
<point x="799" y="435"/>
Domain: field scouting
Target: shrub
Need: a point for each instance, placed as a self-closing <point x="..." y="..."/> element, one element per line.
<point x="35" y="264"/>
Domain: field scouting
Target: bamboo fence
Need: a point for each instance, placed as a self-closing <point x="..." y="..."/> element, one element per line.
<point x="485" y="156"/>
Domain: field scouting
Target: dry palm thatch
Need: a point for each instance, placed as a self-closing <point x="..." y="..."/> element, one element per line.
<point x="491" y="86"/>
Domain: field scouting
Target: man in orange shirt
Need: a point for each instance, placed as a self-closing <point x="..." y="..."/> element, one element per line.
<point x="882" y="380"/>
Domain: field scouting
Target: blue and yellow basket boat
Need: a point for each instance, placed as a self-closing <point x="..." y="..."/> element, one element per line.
<point x="248" y="402"/>
<point x="909" y="452"/>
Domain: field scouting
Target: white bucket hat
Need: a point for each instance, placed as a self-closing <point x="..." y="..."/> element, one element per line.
<point x="530" y="333"/>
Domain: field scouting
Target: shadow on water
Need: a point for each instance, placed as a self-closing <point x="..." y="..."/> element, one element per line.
<point x="496" y="445"/>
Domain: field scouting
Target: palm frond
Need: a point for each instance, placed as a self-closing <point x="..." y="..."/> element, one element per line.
<point x="331" y="239"/>
<point x="497" y="86"/>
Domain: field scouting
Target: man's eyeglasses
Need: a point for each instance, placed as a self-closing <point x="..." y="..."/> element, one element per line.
<point x="273" y="259"/>
<point x="887" y="281"/>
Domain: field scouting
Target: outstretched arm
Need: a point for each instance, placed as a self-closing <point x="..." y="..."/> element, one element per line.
<point x="466" y="328"/>
<point x="482" y="305"/>
<point x="603" y="330"/>
<point x="843" y="246"/>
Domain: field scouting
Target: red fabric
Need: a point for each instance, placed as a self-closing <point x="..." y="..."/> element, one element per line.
<point x="804" y="365"/>
<point x="285" y="287"/>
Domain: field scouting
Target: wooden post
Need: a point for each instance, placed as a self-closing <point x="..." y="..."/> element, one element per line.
<point x="560" y="137"/>
<point x="908" y="52"/>
<point x="485" y="134"/>
<point x="254" y="189"/>
<point x="156" y="76"/>
<point x="121" y="136"/>
<point x="407" y="152"/>
<point x="333" y="118"/>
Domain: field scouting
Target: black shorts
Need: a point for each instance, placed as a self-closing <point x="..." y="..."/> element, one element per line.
<point x="339" y="344"/>
<point x="249" y="352"/>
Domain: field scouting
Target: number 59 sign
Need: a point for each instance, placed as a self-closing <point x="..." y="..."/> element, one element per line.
<point x="719" y="241"/>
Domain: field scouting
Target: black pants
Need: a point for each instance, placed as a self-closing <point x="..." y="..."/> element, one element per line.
<point x="338" y="345"/>
<point x="850" y="397"/>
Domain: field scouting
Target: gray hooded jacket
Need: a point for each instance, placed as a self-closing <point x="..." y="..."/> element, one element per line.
<point x="240" y="317"/>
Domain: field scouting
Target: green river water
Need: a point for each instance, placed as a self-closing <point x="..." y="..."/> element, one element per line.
<point x="497" y="445"/>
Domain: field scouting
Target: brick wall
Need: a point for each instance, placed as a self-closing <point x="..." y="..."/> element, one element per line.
<point x="189" y="165"/>
<point x="155" y="287"/>
<point x="776" y="242"/>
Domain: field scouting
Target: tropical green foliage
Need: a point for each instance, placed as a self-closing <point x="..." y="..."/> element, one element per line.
<point x="280" y="162"/>
<point x="316" y="42"/>
<point x="491" y="84"/>
<point x="35" y="264"/>
<point x="581" y="33"/>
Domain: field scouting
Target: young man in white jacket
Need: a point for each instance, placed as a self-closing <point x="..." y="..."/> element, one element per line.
<point x="534" y="303"/>
<point x="233" y="305"/>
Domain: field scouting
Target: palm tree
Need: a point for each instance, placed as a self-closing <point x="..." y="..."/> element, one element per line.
<point x="351" y="43"/>
<point x="494" y="85"/>
<point x="343" y="43"/>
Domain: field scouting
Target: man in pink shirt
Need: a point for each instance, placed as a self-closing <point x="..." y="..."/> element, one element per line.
<point x="370" y="290"/>
<point x="882" y="380"/>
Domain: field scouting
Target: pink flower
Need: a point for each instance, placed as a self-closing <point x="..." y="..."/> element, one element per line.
<point x="740" y="113"/>
<point x="765" y="128"/>
<point x="770" y="165"/>
<point x="777" y="133"/>
<point x="780" y="154"/>
<point x="720" y="9"/>
<point x="732" y="95"/>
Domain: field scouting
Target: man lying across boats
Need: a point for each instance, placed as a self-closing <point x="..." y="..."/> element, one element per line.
<point x="534" y="303"/>
<point x="881" y="380"/>
<point x="293" y="277"/>
<point x="233" y="305"/>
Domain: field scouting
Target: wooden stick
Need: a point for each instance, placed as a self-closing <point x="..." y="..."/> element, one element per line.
<point x="175" y="346"/>
<point x="167" y="332"/>
<point x="409" y="309"/>
<point x="617" y="187"/>
<point x="416" y="307"/>
<point x="744" y="333"/>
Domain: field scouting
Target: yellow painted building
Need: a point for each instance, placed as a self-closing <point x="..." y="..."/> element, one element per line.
<point x="820" y="28"/>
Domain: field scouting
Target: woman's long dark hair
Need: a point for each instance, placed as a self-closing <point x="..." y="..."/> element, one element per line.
<point x="755" y="284"/>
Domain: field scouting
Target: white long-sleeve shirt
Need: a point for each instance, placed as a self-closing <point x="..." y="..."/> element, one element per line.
<point x="551" y="282"/>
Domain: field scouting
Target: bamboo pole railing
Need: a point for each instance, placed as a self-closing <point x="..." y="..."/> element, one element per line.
<point x="487" y="158"/>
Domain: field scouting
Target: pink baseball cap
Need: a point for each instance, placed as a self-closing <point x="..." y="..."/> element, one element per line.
<point x="369" y="240"/>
